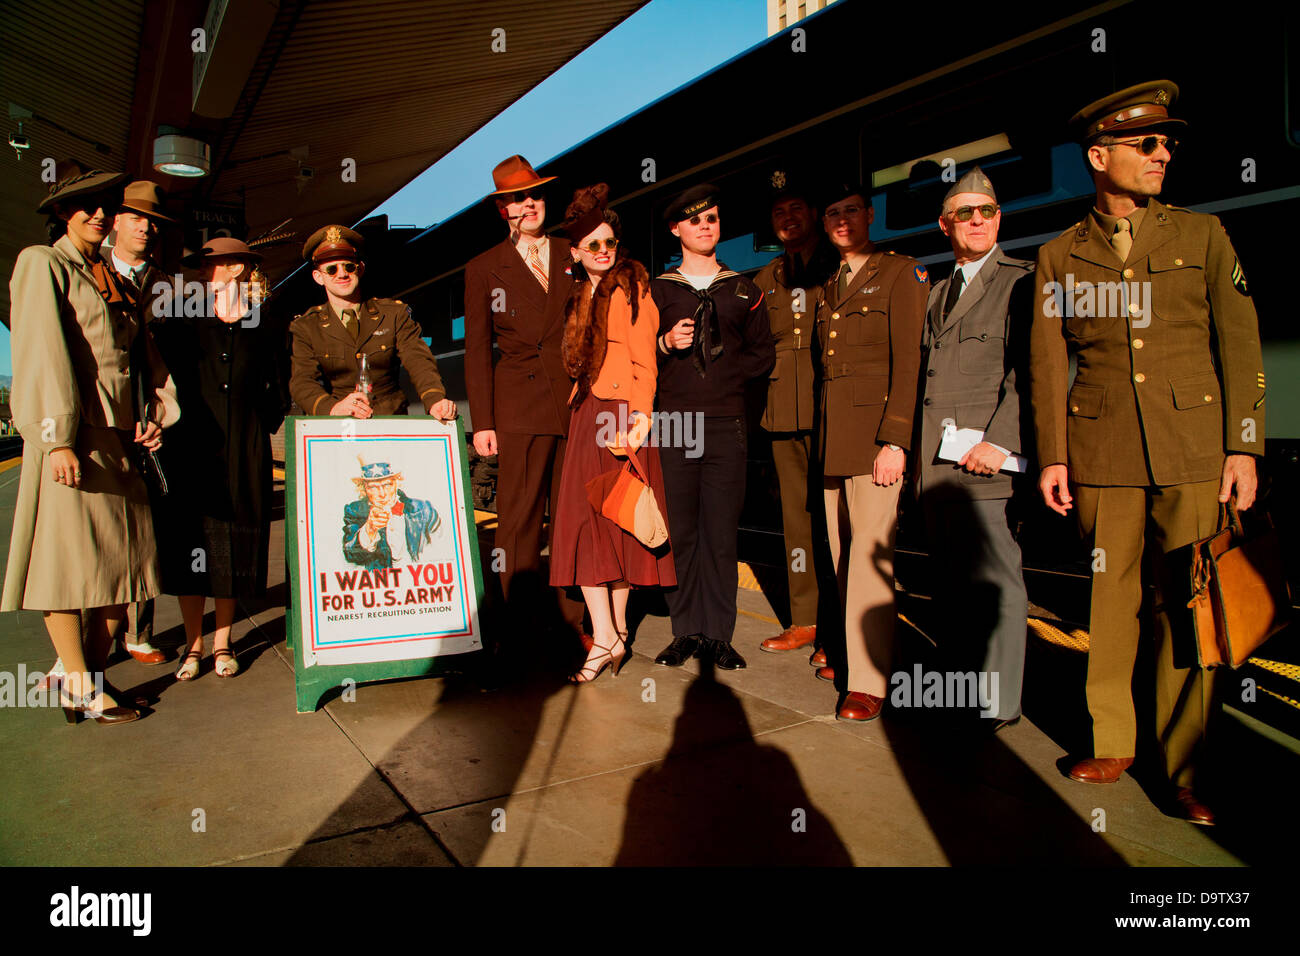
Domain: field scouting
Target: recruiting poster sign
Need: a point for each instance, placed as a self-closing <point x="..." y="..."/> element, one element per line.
<point x="383" y="549"/>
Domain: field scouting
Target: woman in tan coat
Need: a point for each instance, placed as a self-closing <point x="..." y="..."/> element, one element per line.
<point x="609" y="348"/>
<point x="83" y="541"/>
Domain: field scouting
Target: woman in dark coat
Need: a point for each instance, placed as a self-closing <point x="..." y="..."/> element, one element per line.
<point x="214" y="525"/>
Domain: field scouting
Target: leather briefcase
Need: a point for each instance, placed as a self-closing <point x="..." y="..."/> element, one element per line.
<point x="1240" y="596"/>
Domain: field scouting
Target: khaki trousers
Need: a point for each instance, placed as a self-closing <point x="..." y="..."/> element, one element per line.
<point x="1123" y="521"/>
<point x="792" y="454"/>
<point x="862" y="523"/>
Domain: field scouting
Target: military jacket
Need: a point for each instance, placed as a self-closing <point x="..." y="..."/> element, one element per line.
<point x="326" y="358"/>
<point x="1170" y="376"/>
<point x="869" y="343"/>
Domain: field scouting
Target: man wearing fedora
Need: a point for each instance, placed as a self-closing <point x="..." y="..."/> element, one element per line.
<point x="329" y="340"/>
<point x="384" y="526"/>
<point x="789" y="284"/>
<point x="1161" y="425"/>
<point x="972" y="353"/>
<point x="515" y="295"/>
<point x="136" y="227"/>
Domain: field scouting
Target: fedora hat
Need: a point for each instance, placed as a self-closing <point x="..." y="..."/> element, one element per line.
<point x="147" y="198"/>
<point x="72" y="179"/>
<point x="515" y="174"/>
<point x="221" y="247"/>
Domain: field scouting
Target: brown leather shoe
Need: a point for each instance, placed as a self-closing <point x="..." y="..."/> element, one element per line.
<point x="859" y="706"/>
<point x="1100" y="769"/>
<point x="1192" y="809"/>
<point x="791" y="639"/>
<point x="146" y="653"/>
<point x="826" y="673"/>
<point x="818" y="659"/>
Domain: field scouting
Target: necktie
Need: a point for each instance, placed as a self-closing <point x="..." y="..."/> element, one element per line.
<point x="350" y="321"/>
<point x="535" y="263"/>
<point x="955" y="285"/>
<point x="137" y="277"/>
<point x="843" y="285"/>
<point x="1122" y="241"/>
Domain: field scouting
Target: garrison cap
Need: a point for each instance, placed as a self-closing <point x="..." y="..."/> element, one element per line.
<point x="1144" y="106"/>
<point x="333" y="242"/>
<point x="974" y="181"/>
<point x="692" y="202"/>
<point x="841" y="191"/>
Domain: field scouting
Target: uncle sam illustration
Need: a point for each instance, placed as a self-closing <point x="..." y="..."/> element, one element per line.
<point x="383" y="527"/>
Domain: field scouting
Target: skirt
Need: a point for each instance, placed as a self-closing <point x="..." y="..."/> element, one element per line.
<point x="587" y="549"/>
<point x="87" y="547"/>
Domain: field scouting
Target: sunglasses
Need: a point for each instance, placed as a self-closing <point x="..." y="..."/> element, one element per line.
<point x="846" y="212"/>
<point x="1147" y="145"/>
<point x="965" y="213"/>
<point x="534" y="194"/>
<point x="594" y="246"/>
<point x="334" y="267"/>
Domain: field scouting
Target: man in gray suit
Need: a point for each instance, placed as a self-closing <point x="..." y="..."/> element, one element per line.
<point x="974" y="341"/>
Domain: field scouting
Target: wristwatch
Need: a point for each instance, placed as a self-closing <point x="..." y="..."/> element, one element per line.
<point x="893" y="447"/>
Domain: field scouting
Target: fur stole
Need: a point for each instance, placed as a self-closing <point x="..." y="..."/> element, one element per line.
<point x="586" y="318"/>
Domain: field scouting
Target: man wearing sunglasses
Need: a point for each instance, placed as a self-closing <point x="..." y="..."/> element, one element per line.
<point x="972" y="353"/>
<point x="1162" y="424"/>
<point x="515" y="294"/>
<point x="330" y="339"/>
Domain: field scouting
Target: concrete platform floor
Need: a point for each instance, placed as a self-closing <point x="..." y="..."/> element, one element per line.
<point x="658" y="766"/>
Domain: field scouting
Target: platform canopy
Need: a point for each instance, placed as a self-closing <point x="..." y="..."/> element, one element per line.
<point x="284" y="92"/>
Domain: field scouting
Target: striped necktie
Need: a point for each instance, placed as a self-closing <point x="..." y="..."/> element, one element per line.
<point x="535" y="263"/>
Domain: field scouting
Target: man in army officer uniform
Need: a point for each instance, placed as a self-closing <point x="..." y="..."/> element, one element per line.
<point x="329" y="340"/>
<point x="1161" y="424"/>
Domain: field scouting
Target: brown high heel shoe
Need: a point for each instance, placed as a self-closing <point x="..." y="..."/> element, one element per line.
<point x="594" y="665"/>
<point x="75" y="707"/>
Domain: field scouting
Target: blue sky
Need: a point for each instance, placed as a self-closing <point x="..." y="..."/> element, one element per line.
<point x="659" y="48"/>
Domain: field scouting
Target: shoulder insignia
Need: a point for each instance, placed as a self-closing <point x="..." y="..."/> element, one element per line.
<point x="1238" y="278"/>
<point x="890" y="252"/>
<point x="921" y="275"/>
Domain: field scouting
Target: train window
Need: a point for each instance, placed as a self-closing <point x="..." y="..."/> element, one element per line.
<point x="458" y="328"/>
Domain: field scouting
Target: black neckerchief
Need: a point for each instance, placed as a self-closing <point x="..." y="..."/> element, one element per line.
<point x="707" y="345"/>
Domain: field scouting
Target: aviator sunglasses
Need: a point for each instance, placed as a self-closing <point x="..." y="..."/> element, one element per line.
<point x="334" y="267"/>
<point x="594" y="246"/>
<point x="965" y="213"/>
<point x="1147" y="145"/>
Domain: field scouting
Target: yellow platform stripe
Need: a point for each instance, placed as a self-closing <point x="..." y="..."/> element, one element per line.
<point x="1282" y="697"/>
<point x="1075" y="640"/>
<point x="748" y="580"/>
<point x="11" y="463"/>
<point x="1289" y="671"/>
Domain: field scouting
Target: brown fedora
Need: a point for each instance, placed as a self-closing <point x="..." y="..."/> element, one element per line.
<point x="147" y="198"/>
<point x="73" y="179"/>
<point x="515" y="174"/>
<point x="221" y="247"/>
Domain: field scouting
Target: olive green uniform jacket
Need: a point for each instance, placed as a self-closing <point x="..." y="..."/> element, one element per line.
<point x="1169" y="380"/>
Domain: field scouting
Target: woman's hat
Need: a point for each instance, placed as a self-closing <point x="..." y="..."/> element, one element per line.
<point x="220" y="247"/>
<point x="147" y="198"/>
<point x="515" y="174"/>
<point x="586" y="212"/>
<point x="73" y="179"/>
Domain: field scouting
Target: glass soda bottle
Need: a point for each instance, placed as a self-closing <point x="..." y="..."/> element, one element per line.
<point x="364" y="384"/>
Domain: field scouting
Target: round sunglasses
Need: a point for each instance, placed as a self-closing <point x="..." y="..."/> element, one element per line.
<point x="594" y="246"/>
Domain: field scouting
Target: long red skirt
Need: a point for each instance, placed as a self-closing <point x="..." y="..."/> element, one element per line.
<point x="587" y="549"/>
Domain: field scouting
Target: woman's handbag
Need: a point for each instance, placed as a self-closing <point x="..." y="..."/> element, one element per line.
<point x="1240" y="596"/>
<point x="627" y="500"/>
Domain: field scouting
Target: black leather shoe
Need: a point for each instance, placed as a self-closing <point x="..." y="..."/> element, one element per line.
<point x="722" y="654"/>
<point x="681" y="650"/>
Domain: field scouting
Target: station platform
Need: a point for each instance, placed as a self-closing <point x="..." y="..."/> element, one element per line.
<point x="658" y="766"/>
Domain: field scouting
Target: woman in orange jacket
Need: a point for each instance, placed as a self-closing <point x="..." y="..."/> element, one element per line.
<point x="609" y="349"/>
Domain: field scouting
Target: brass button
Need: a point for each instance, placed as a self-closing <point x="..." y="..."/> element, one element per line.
<point x="1137" y="343"/>
<point x="616" y="384"/>
<point x="833" y="334"/>
<point x="1139" y="378"/>
<point x="796" y="331"/>
<point x="1074" y="408"/>
<point x="1128" y="273"/>
<point x="830" y="351"/>
<point x="1178" y="262"/>
<point x="1208" y="398"/>
<point x="1133" y="308"/>
<point x="798" y="315"/>
<point x="835" y="315"/>
<point x="358" y="355"/>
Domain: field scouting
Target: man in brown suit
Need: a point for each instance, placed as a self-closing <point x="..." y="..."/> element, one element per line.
<point x="789" y="284"/>
<point x="869" y="320"/>
<point x="515" y="294"/>
<point x="329" y="340"/>
<point x="1163" y="421"/>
